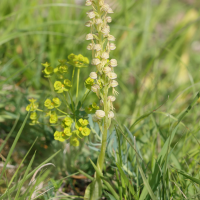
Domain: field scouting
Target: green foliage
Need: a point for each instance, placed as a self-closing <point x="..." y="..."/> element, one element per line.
<point x="158" y="62"/>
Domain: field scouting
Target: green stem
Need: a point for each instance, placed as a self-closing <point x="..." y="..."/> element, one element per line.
<point x="77" y="84"/>
<point x="100" y="161"/>
<point x="72" y="103"/>
<point x="73" y="75"/>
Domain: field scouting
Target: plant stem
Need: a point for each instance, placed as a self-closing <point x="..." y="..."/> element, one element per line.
<point x="77" y="85"/>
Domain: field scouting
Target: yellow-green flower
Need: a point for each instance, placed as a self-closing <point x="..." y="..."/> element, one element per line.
<point x="53" y="118"/>
<point x="33" y="106"/>
<point x="74" y="141"/>
<point x="92" y="108"/>
<point x="46" y="64"/>
<point x="33" y="116"/>
<point x="85" y="131"/>
<point x="48" y="104"/>
<point x="48" y="71"/>
<point x="67" y="121"/>
<point x="82" y="123"/>
<point x="67" y="83"/>
<point x="59" y="136"/>
<point x="67" y="132"/>
<point x="59" y="87"/>
<point x="89" y="83"/>
<point x="56" y="102"/>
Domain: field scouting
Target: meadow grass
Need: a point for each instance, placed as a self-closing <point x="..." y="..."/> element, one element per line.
<point x="153" y="151"/>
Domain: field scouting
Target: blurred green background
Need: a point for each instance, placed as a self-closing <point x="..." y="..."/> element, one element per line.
<point x="158" y="54"/>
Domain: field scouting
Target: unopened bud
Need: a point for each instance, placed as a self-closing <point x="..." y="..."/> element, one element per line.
<point x="105" y="55"/>
<point x="91" y="15"/>
<point x="95" y="88"/>
<point x="105" y="7"/>
<point x="93" y="75"/>
<point x="100" y="114"/>
<point x="112" y="75"/>
<point x="106" y="70"/>
<point x="88" y="3"/>
<point x="111" y="98"/>
<point x="112" y="46"/>
<point x="88" y="24"/>
<point x="101" y="102"/>
<point x="113" y="62"/>
<point x="111" y="114"/>
<point x="108" y="19"/>
<point x="95" y="61"/>
<point x="90" y="46"/>
<point x="98" y="21"/>
<point x="111" y="37"/>
<point x="110" y="11"/>
<point x="105" y="31"/>
<point x="89" y="36"/>
<point x="113" y="83"/>
<point x="94" y="118"/>
<point x="97" y="47"/>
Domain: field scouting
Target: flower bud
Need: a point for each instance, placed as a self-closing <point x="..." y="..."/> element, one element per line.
<point x="95" y="88"/>
<point x="108" y="19"/>
<point x="100" y="114"/>
<point x="112" y="46"/>
<point x="90" y="46"/>
<point x="91" y="15"/>
<point x="97" y="47"/>
<point x="112" y="75"/>
<point x="113" y="83"/>
<point x="105" y="55"/>
<point x="88" y="3"/>
<point x="93" y="75"/>
<point x="110" y="11"/>
<point x="94" y="118"/>
<point x="111" y="114"/>
<point x="88" y="24"/>
<point x="105" y="31"/>
<point x="111" y="98"/>
<point x="105" y="7"/>
<point x="95" y="61"/>
<point x="89" y="36"/>
<point x="98" y="21"/>
<point x="101" y="102"/>
<point x="111" y="37"/>
<point x="106" y="70"/>
<point x="113" y="62"/>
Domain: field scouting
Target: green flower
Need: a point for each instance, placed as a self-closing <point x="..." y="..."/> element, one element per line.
<point x="33" y="122"/>
<point x="67" y="121"/>
<point x="85" y="131"/>
<point x="92" y="108"/>
<point x="63" y="68"/>
<point x="89" y="83"/>
<point x="63" y="61"/>
<point x="56" y="102"/>
<point x="59" y="87"/>
<point x="74" y="141"/>
<point x="59" y="136"/>
<point x="81" y="123"/>
<point x="53" y="118"/>
<point x="67" y="132"/>
<point x="46" y="64"/>
<point x="71" y="57"/>
<point x="48" y="71"/>
<point x="32" y="106"/>
<point x="48" y="104"/>
<point x="33" y="116"/>
<point x="67" y="83"/>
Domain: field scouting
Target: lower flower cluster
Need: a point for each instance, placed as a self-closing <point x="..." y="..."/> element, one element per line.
<point x="73" y="131"/>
